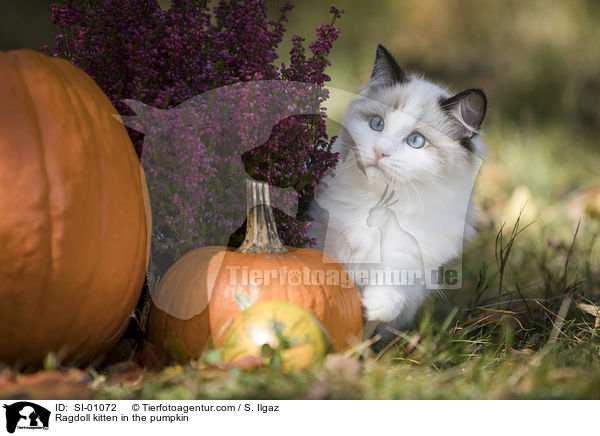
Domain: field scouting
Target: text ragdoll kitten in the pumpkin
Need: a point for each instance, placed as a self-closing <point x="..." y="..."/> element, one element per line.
<point x="397" y="207"/>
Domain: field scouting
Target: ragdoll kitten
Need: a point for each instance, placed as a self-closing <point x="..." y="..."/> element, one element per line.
<point x="399" y="199"/>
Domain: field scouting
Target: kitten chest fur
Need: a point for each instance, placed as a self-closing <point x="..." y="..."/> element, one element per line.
<point x="437" y="222"/>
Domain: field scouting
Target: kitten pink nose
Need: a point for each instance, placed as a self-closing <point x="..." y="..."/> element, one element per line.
<point x="379" y="154"/>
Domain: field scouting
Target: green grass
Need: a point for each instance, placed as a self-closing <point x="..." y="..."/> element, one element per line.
<point x="522" y="326"/>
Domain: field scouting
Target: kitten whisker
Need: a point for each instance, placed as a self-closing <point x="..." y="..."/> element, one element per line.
<point x="406" y="190"/>
<point x="418" y="195"/>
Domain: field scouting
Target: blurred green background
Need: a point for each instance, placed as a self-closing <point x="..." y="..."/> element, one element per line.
<point x="539" y="60"/>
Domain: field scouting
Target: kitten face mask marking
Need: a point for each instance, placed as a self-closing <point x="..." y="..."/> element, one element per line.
<point x="408" y="129"/>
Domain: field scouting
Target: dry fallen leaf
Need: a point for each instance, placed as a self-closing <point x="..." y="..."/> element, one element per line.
<point x="589" y="308"/>
<point x="559" y="375"/>
<point x="45" y="385"/>
<point x="128" y="373"/>
<point x="345" y="367"/>
<point x="592" y="310"/>
<point x="247" y="363"/>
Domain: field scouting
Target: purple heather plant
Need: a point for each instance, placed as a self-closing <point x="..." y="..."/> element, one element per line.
<point x="135" y="50"/>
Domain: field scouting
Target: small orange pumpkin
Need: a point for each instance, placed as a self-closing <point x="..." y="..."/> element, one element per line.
<point x="179" y="322"/>
<point x="73" y="218"/>
<point x="265" y="270"/>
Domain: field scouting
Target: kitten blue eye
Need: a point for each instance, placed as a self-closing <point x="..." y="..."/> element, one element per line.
<point x="377" y="123"/>
<point x="416" y="140"/>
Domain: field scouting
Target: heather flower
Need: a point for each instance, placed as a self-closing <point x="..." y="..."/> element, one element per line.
<point x="136" y="51"/>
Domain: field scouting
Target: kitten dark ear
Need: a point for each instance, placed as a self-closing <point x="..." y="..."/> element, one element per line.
<point x="386" y="69"/>
<point x="468" y="109"/>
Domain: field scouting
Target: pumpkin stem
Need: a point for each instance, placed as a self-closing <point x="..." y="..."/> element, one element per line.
<point x="261" y="230"/>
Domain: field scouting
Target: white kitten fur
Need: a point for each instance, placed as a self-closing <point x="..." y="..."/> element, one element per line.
<point x="425" y="228"/>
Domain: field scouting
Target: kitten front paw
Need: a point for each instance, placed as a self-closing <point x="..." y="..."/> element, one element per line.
<point x="382" y="303"/>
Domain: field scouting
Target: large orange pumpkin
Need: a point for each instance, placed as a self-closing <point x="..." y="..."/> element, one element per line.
<point x="73" y="225"/>
<point x="264" y="269"/>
